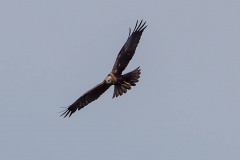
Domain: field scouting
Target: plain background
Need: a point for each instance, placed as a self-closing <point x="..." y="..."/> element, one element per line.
<point x="186" y="105"/>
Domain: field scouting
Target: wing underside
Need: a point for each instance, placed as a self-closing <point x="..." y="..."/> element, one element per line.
<point x="128" y="49"/>
<point x="86" y="98"/>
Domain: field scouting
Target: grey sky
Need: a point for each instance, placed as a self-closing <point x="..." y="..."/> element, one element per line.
<point x="186" y="105"/>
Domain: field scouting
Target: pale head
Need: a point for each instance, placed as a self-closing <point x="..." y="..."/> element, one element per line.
<point x="109" y="79"/>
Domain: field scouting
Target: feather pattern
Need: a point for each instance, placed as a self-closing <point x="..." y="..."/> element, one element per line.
<point x="128" y="49"/>
<point x="86" y="98"/>
<point x="129" y="79"/>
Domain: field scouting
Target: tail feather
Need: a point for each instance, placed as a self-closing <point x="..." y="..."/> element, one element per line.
<point x="130" y="79"/>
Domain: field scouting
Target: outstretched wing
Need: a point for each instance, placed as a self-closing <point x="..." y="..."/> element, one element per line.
<point x="86" y="98"/>
<point x="128" y="50"/>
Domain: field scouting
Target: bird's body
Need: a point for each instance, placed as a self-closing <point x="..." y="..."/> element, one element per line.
<point x="121" y="82"/>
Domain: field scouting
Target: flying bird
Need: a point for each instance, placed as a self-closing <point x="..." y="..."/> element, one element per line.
<point x="121" y="82"/>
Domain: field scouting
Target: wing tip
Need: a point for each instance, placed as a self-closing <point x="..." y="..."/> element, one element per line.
<point x="139" y="27"/>
<point x="66" y="112"/>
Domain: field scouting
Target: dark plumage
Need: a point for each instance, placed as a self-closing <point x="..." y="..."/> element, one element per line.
<point x="121" y="83"/>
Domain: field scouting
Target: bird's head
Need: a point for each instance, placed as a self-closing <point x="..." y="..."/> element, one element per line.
<point x="109" y="79"/>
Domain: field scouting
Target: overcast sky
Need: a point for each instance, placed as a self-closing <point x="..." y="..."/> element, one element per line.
<point x="185" y="107"/>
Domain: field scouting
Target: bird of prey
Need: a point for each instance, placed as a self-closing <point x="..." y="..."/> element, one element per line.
<point x="121" y="82"/>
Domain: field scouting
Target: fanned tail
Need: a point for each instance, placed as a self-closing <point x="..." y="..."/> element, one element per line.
<point x="129" y="79"/>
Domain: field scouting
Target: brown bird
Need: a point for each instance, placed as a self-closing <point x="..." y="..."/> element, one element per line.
<point x="121" y="82"/>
